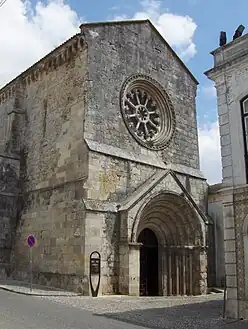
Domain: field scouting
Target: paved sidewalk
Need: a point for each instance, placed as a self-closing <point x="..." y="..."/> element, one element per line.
<point x="23" y="288"/>
<point x="198" y="312"/>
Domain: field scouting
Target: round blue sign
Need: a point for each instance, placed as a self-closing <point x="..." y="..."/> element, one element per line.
<point x="31" y="241"/>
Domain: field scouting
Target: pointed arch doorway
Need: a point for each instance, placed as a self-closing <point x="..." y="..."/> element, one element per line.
<point x="148" y="263"/>
<point x="168" y="228"/>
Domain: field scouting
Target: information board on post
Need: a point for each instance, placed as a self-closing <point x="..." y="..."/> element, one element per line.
<point x="95" y="272"/>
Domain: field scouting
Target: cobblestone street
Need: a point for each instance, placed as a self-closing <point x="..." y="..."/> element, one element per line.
<point x="19" y="311"/>
<point x="158" y="312"/>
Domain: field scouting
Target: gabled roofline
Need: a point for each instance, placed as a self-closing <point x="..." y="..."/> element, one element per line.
<point x="155" y="179"/>
<point x="197" y="208"/>
<point x="42" y="64"/>
<point x="38" y="65"/>
<point x="126" y="22"/>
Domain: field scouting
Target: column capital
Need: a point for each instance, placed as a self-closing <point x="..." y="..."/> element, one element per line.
<point x="135" y="245"/>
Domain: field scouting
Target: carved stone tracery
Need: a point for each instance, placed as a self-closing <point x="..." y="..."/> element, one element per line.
<point x="147" y="112"/>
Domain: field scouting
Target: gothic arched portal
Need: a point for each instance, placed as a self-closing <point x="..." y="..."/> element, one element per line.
<point x="172" y="255"/>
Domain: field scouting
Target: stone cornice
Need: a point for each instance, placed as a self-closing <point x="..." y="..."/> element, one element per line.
<point x="57" y="57"/>
<point x="225" y="66"/>
<point x="150" y="158"/>
<point x="9" y="156"/>
<point x="230" y="44"/>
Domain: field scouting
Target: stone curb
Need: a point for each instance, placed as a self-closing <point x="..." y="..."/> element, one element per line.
<point x="38" y="294"/>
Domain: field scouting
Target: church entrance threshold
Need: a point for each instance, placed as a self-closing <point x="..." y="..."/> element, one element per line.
<point x="148" y="263"/>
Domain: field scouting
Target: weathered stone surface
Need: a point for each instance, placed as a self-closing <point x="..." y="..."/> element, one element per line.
<point x="80" y="165"/>
<point x="9" y="187"/>
<point x="103" y="116"/>
<point x="230" y="76"/>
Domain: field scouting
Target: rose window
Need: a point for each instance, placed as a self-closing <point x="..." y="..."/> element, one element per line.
<point x="147" y="112"/>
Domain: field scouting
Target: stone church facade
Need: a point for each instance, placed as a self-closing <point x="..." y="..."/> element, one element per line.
<point x="229" y="201"/>
<point x="99" y="152"/>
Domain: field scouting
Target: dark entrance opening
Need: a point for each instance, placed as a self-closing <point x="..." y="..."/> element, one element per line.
<point x="148" y="263"/>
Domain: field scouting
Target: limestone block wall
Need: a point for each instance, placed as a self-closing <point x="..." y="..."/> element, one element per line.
<point x="236" y="235"/>
<point x="133" y="222"/>
<point x="196" y="186"/>
<point x="10" y="167"/>
<point x="111" y="181"/>
<point x="230" y="77"/>
<point x="215" y="211"/>
<point x="53" y="98"/>
<point x="118" y="165"/>
<point x="102" y="231"/>
<point x="117" y="51"/>
<point x="230" y="91"/>
<point x="9" y="175"/>
<point x="56" y="218"/>
<point x="4" y="110"/>
<point x="230" y="74"/>
<point x="70" y="105"/>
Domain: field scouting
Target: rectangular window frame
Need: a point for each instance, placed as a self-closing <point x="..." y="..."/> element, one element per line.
<point x="244" y="117"/>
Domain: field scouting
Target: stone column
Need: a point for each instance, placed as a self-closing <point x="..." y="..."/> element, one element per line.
<point x="169" y="273"/>
<point x="190" y="273"/>
<point x="184" y="272"/>
<point x="16" y="120"/>
<point x="203" y="271"/>
<point x="231" y="259"/>
<point x="124" y="268"/>
<point x="164" y="271"/>
<point x="129" y="280"/>
<point x="134" y="269"/>
<point x="177" y="275"/>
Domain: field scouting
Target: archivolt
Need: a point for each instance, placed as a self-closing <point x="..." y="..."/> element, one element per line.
<point x="172" y="219"/>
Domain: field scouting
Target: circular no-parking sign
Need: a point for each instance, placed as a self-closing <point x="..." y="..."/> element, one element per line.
<point x="31" y="241"/>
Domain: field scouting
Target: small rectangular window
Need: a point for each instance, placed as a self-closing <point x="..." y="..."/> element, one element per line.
<point x="246" y="130"/>
<point x="245" y="106"/>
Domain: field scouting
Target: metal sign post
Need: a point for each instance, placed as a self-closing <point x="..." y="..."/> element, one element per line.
<point x="31" y="243"/>
<point x="30" y="268"/>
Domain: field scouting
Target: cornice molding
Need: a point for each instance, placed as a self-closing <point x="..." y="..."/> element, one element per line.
<point x="59" y="56"/>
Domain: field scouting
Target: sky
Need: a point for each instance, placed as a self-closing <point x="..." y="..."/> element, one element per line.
<point x="30" y="29"/>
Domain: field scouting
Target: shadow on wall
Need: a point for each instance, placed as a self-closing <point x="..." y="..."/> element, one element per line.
<point x="203" y="315"/>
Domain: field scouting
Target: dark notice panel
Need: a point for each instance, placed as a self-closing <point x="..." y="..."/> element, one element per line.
<point x="95" y="272"/>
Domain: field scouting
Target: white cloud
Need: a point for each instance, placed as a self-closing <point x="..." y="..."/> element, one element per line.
<point x="121" y="17"/>
<point x="209" y="91"/>
<point x="193" y="2"/>
<point x="29" y="33"/>
<point x="176" y="29"/>
<point x="34" y="31"/>
<point x="210" y="158"/>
